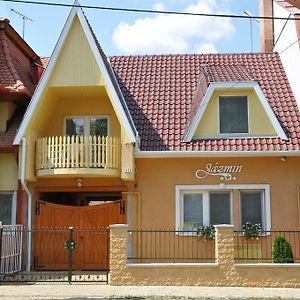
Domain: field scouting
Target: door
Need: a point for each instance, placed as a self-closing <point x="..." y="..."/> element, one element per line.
<point x="90" y="233"/>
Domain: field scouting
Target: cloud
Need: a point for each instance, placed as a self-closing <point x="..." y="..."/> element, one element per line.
<point x="205" y="48"/>
<point x="174" y="33"/>
<point x="159" y="6"/>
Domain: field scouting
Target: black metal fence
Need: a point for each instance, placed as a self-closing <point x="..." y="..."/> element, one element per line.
<point x="169" y="246"/>
<point x="57" y="254"/>
<point x="261" y="248"/>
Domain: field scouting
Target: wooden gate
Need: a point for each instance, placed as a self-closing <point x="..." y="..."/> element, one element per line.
<point x="90" y="222"/>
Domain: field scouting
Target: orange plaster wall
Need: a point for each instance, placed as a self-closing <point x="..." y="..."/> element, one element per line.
<point x="157" y="178"/>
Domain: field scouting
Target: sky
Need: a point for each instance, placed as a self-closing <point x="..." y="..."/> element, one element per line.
<point x="127" y="33"/>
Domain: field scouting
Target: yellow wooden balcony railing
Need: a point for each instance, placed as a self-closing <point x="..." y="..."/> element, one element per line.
<point x="77" y="152"/>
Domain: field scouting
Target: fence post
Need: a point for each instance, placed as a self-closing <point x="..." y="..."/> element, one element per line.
<point x="118" y="253"/>
<point x="70" y="250"/>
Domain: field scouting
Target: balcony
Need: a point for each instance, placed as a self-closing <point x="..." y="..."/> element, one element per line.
<point x="78" y="155"/>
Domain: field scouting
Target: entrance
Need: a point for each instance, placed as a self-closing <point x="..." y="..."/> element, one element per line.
<point x="89" y="214"/>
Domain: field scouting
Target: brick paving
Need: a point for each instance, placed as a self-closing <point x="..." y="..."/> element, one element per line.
<point x="102" y="291"/>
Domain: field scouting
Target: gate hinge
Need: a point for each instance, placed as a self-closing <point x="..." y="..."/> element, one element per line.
<point x="38" y="207"/>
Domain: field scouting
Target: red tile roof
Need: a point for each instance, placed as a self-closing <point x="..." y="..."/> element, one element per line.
<point x="16" y="65"/>
<point x="293" y="6"/>
<point x="159" y="91"/>
<point x="6" y="138"/>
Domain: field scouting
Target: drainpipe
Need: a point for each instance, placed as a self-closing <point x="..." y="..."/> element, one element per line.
<point x="29" y="203"/>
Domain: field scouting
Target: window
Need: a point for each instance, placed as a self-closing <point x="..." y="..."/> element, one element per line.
<point x="87" y="126"/>
<point x="233" y="113"/>
<point x="8" y="205"/>
<point x="205" y="208"/>
<point x="198" y="205"/>
<point x="252" y="207"/>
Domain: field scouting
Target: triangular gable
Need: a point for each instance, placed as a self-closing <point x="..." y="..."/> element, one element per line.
<point x="190" y="132"/>
<point x="105" y="69"/>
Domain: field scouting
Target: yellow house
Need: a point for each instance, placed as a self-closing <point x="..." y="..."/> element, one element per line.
<point x="159" y="141"/>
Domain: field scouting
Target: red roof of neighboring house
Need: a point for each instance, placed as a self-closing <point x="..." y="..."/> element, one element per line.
<point x="19" y="72"/>
<point x="7" y="137"/>
<point x="159" y="91"/>
<point x="293" y="6"/>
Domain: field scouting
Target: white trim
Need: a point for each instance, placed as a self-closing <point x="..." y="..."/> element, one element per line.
<point x="155" y="265"/>
<point x="185" y="154"/>
<point x="87" y="122"/>
<point x="234" y="85"/>
<point x="75" y="11"/>
<point x="179" y="189"/>
<point x="267" y="265"/>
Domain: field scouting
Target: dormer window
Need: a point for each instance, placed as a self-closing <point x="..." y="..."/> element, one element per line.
<point x="233" y="114"/>
<point x="94" y="125"/>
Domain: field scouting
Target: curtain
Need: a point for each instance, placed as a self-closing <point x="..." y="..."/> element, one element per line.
<point x="233" y="114"/>
<point x="219" y="208"/>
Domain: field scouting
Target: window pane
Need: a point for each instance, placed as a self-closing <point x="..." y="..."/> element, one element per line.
<point x="74" y="126"/>
<point x="233" y="114"/>
<point x="251" y="202"/>
<point x="219" y="208"/>
<point x="193" y="210"/>
<point x="99" y="126"/>
<point x="5" y="208"/>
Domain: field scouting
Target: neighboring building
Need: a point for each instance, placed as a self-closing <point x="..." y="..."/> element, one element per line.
<point x="20" y="69"/>
<point x="283" y="36"/>
<point x="186" y="140"/>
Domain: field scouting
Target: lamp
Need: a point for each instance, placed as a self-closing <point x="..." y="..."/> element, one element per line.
<point x="283" y="158"/>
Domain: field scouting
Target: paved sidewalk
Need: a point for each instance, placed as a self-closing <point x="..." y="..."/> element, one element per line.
<point x="98" y="291"/>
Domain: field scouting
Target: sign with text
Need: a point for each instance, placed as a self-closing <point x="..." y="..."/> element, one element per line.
<point x="225" y="172"/>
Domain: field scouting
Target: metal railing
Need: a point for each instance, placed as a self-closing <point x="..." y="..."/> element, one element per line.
<point x="259" y="249"/>
<point x="61" y="254"/>
<point x="77" y="152"/>
<point x="11" y="237"/>
<point x="169" y="246"/>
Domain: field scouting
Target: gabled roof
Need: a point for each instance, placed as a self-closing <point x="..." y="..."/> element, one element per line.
<point x="159" y="91"/>
<point x="104" y="66"/>
<point x="17" y="64"/>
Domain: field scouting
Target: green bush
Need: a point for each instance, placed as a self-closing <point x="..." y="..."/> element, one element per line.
<point x="207" y="232"/>
<point x="282" y="251"/>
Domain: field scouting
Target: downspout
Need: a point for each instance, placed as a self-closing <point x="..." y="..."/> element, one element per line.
<point x="29" y="203"/>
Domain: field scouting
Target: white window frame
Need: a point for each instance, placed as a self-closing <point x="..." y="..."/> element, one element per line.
<point x="248" y="116"/>
<point x="206" y="204"/>
<point x="13" y="204"/>
<point x="180" y="189"/>
<point x="87" y="122"/>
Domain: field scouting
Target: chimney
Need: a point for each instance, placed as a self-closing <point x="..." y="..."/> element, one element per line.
<point x="266" y="26"/>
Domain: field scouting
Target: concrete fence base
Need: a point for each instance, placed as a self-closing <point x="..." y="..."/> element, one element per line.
<point x="225" y="272"/>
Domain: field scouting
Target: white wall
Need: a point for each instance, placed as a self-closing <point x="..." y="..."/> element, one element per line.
<point x="290" y="57"/>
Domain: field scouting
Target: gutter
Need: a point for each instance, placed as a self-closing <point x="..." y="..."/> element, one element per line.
<point x="186" y="154"/>
<point x="29" y="204"/>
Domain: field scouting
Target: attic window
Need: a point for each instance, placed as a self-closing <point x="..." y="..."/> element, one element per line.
<point x="233" y="113"/>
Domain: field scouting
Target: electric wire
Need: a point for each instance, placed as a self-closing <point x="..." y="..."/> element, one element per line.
<point x="150" y="11"/>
